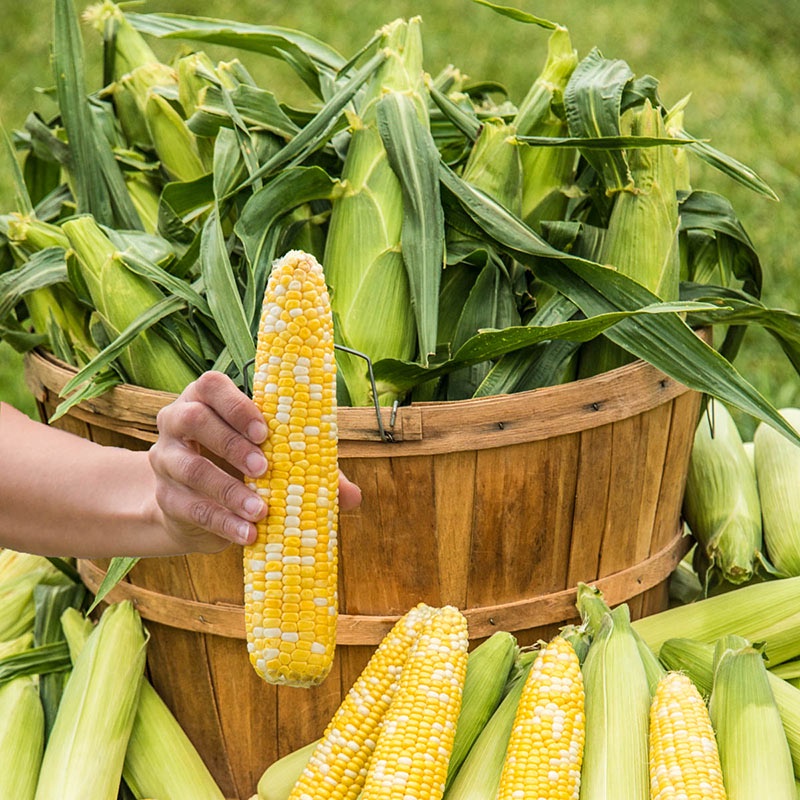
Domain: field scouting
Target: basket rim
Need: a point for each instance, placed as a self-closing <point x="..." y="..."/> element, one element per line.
<point x="416" y="429"/>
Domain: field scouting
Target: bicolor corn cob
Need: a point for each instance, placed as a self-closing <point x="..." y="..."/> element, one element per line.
<point x="338" y="765"/>
<point x="416" y="737"/>
<point x="290" y="583"/>
<point x="684" y="759"/>
<point x="545" y="750"/>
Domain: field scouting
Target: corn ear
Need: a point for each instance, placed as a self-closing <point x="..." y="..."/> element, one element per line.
<point x="721" y="504"/>
<point x="175" y="145"/>
<point x="363" y="255"/>
<point x="21" y="738"/>
<point x="160" y="760"/>
<point x="17" y="607"/>
<point x="617" y="714"/>
<point x="684" y="758"/>
<point x="760" y="612"/>
<point x="696" y="659"/>
<point x="479" y="775"/>
<point x="547" y="171"/>
<point x="641" y="240"/>
<point x="488" y="667"/>
<point x="753" y="750"/>
<point x="777" y="465"/>
<point x="86" y="750"/>
<point x="120" y="296"/>
<point x="130" y="47"/>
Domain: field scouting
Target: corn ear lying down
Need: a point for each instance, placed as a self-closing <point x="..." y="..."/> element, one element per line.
<point x="488" y="668"/>
<point x="721" y="503"/>
<point x="290" y="583"/>
<point x="160" y="761"/>
<point x="86" y="749"/>
<point x="752" y="743"/>
<point x="617" y="705"/>
<point x="393" y="734"/>
<point x="545" y="749"/>
<point x="684" y="758"/>
<point x="21" y="730"/>
<point x="777" y="464"/>
<point x="760" y="612"/>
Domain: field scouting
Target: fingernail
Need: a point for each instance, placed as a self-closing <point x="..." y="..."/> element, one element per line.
<point x="253" y="506"/>
<point x="256" y="464"/>
<point x="257" y="431"/>
<point x="243" y="530"/>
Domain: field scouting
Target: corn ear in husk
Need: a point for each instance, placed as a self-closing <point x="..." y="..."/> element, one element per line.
<point x="86" y="749"/>
<point x="777" y="466"/>
<point x="721" y="504"/>
<point x="21" y="731"/>
<point x="753" y="749"/>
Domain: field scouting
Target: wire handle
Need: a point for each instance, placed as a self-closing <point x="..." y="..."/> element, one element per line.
<point x="385" y="437"/>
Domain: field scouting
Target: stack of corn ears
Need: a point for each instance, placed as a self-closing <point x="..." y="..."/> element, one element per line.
<point x="149" y="211"/>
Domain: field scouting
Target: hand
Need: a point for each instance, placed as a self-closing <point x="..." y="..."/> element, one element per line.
<point x="203" y="506"/>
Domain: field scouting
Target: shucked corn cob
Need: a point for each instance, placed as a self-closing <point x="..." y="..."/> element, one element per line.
<point x="545" y="751"/>
<point x="290" y="583"/>
<point x="684" y="759"/>
<point x="416" y="736"/>
<point x="338" y="765"/>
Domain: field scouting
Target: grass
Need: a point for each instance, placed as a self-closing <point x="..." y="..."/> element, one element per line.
<point x="737" y="60"/>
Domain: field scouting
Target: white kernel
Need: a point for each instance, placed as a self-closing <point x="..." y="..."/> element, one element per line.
<point x="317" y="648"/>
<point x="290" y="636"/>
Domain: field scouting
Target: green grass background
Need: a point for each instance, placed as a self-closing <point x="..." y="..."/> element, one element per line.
<point x="738" y="60"/>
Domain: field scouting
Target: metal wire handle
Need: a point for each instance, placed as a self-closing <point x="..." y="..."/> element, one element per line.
<point x="385" y="437"/>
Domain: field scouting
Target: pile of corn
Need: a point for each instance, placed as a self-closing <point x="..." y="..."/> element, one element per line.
<point x="700" y="701"/>
<point x="740" y="502"/>
<point x="78" y="717"/>
<point x="591" y="714"/>
<point x="478" y="229"/>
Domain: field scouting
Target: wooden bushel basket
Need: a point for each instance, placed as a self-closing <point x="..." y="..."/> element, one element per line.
<point x="499" y="506"/>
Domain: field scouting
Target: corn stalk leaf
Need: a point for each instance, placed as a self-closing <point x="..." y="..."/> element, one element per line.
<point x="663" y="340"/>
<point x="23" y="200"/>
<point x="414" y="159"/>
<point x="310" y="58"/>
<point x="99" y="185"/>
<point x="729" y="166"/>
<point x="315" y="134"/>
<point x="157" y="312"/>
<point x="40" y="660"/>
<point x="222" y="293"/>
<point x="118" y="568"/>
<point x="516" y="14"/>
<point x="44" y="268"/>
<point x="258" y="225"/>
<point x="404" y="375"/>
<point x="592" y="102"/>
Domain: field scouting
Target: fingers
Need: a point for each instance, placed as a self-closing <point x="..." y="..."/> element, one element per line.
<point x="213" y="413"/>
<point x="349" y="494"/>
<point x="220" y="393"/>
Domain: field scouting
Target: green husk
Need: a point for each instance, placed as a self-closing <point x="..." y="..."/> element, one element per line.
<point x="617" y="714"/>
<point x="279" y="778"/>
<point x="86" y="750"/>
<point x="363" y="254"/>
<point x="777" y="466"/>
<point x="721" y="503"/>
<point x="21" y="738"/>
<point x="119" y="295"/>
<point x="488" y="668"/>
<point x="479" y="775"/>
<point x="753" y="749"/>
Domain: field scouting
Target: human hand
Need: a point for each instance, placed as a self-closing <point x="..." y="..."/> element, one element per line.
<point x="204" y="507"/>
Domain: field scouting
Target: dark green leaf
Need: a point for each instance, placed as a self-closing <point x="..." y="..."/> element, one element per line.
<point x="592" y="103"/>
<point x="44" y="268"/>
<point x="37" y="661"/>
<point x="663" y="340"/>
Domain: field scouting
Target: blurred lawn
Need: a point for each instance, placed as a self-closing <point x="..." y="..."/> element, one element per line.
<point x="739" y="62"/>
